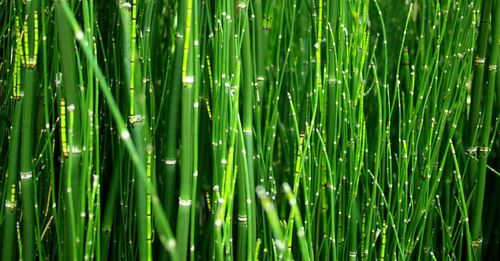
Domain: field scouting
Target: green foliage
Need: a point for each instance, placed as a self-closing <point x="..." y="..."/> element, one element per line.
<point x="249" y="130"/>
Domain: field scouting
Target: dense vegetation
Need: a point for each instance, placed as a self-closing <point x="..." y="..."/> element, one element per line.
<point x="249" y="129"/>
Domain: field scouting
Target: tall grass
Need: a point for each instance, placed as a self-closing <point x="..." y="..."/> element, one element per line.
<point x="249" y="130"/>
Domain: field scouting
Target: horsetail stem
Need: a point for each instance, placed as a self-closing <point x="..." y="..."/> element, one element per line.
<point x="484" y="135"/>
<point x="187" y="144"/>
<point x="8" y="239"/>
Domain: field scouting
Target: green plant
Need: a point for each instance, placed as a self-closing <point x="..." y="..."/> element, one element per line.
<point x="250" y="129"/>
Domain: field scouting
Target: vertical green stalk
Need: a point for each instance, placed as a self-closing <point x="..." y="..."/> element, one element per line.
<point x="145" y="84"/>
<point x="9" y="223"/>
<point x="29" y="89"/>
<point x="172" y="115"/>
<point x="196" y="127"/>
<point x="90" y="199"/>
<point x="248" y="105"/>
<point x="187" y="145"/>
<point x="259" y="47"/>
<point x="484" y="139"/>
<point x="477" y="89"/>
<point x="72" y="97"/>
<point x="132" y="76"/>
<point x="27" y="183"/>
<point x="69" y="194"/>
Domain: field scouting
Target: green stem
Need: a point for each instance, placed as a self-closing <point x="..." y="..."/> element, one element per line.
<point x="187" y="145"/>
<point x="9" y="224"/>
<point x="477" y="89"/>
<point x="172" y="115"/>
<point x="27" y="183"/>
<point x="71" y="94"/>
<point x="248" y="105"/>
<point x="159" y="214"/>
<point x="484" y="140"/>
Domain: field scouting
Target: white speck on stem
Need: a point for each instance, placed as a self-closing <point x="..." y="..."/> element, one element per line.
<point x="71" y="107"/>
